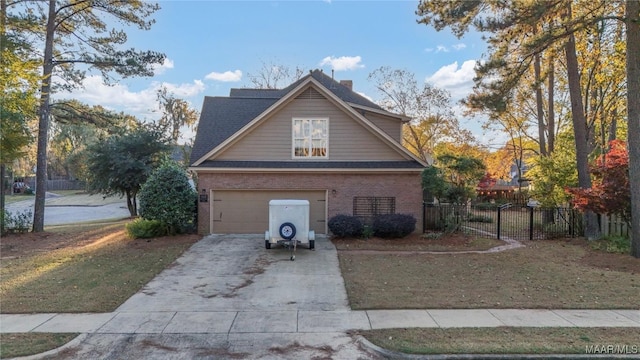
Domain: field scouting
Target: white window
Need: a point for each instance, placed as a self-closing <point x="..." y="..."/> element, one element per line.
<point x="310" y="138"/>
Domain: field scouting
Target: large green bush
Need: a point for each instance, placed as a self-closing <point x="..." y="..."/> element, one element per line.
<point x="168" y="197"/>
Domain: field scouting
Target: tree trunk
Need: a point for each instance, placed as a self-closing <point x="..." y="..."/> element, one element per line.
<point x="539" y="107"/>
<point x="633" y="111"/>
<point x="43" y="124"/>
<point x="2" y="195"/>
<point x="132" y="203"/>
<point x="551" y="122"/>
<point x="591" y="229"/>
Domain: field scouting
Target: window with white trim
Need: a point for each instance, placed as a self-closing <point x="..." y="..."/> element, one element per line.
<point x="310" y="137"/>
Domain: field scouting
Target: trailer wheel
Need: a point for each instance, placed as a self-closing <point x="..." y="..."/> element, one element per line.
<point x="312" y="244"/>
<point x="267" y="244"/>
<point x="287" y="231"/>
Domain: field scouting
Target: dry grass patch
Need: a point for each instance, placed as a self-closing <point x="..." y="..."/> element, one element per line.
<point x="543" y="275"/>
<point x="506" y="340"/>
<point x="13" y="345"/>
<point x="437" y="242"/>
<point x="88" y="268"/>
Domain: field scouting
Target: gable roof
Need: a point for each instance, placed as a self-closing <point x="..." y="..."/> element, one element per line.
<point x="224" y="119"/>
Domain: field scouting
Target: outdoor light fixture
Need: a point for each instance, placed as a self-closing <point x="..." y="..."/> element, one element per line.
<point x="204" y="197"/>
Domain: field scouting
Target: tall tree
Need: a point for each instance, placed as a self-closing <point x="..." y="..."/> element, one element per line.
<point x="591" y="228"/>
<point x="429" y="107"/>
<point x="176" y="113"/>
<point x="18" y="83"/>
<point x="633" y="115"/>
<point x="511" y="33"/>
<point x="77" y="34"/>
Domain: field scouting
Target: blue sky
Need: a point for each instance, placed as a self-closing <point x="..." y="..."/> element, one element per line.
<point x="211" y="46"/>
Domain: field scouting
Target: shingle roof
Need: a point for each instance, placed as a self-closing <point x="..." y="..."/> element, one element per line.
<point x="221" y="117"/>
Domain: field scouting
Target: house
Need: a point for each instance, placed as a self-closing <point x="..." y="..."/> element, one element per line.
<point x="315" y="140"/>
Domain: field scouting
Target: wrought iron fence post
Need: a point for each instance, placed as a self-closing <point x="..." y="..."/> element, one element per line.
<point x="531" y="223"/>
<point x="498" y="230"/>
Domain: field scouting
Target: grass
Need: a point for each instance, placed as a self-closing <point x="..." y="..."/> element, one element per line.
<point x="13" y="345"/>
<point x="545" y="274"/>
<point x="567" y="274"/>
<point x="90" y="267"/>
<point x="14" y="198"/>
<point x="95" y="268"/>
<point x="506" y="340"/>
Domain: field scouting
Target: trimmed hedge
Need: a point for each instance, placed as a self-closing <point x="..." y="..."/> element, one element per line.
<point x="393" y="225"/>
<point x="346" y="226"/>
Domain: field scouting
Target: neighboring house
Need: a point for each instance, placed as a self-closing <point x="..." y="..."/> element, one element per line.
<point x="315" y="140"/>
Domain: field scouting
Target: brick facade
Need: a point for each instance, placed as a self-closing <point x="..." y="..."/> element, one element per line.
<point x="341" y="188"/>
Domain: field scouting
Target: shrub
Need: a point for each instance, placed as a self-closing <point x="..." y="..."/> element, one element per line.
<point x="346" y="226"/>
<point x="168" y="197"/>
<point x="394" y="225"/>
<point x="613" y="244"/>
<point x="144" y="229"/>
<point x="21" y="222"/>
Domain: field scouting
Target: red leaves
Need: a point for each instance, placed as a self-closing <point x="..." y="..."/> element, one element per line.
<point x="610" y="191"/>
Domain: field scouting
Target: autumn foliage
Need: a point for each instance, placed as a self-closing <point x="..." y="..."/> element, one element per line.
<point x="610" y="191"/>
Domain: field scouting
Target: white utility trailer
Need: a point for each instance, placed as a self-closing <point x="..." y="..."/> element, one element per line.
<point x="289" y="225"/>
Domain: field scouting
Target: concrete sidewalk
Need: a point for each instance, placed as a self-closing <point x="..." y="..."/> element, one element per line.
<point x="300" y="321"/>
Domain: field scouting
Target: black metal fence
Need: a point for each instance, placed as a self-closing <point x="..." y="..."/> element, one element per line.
<point x="516" y="222"/>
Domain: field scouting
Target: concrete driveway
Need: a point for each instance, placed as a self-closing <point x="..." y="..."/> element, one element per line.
<point x="236" y="273"/>
<point x="228" y="297"/>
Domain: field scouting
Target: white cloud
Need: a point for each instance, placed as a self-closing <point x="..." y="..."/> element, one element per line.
<point x="457" y="80"/>
<point x="441" y="48"/>
<point x="227" y="76"/>
<point x="161" y="69"/>
<point x="342" y="62"/>
<point x="119" y="97"/>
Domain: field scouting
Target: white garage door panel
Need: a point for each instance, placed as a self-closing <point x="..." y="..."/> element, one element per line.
<point x="247" y="211"/>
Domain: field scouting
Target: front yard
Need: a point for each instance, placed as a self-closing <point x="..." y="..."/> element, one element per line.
<point x="561" y="274"/>
<point x="81" y="268"/>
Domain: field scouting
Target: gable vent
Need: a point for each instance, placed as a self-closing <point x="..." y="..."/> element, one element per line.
<point x="310" y="93"/>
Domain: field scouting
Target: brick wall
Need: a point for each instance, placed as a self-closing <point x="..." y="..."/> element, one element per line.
<point x="405" y="187"/>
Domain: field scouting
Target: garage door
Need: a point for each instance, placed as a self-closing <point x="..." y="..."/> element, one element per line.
<point x="247" y="211"/>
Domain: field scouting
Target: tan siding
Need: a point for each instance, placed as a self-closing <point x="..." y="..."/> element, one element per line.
<point x="393" y="127"/>
<point x="348" y="140"/>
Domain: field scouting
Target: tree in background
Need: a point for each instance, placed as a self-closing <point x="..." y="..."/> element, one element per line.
<point x="77" y="39"/>
<point x="554" y="173"/>
<point x="430" y="110"/>
<point x="74" y="127"/>
<point x="272" y="75"/>
<point x="521" y="32"/>
<point x="610" y="193"/>
<point x="120" y="164"/>
<point x="176" y="113"/>
<point x="168" y="197"/>
<point x="453" y="178"/>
